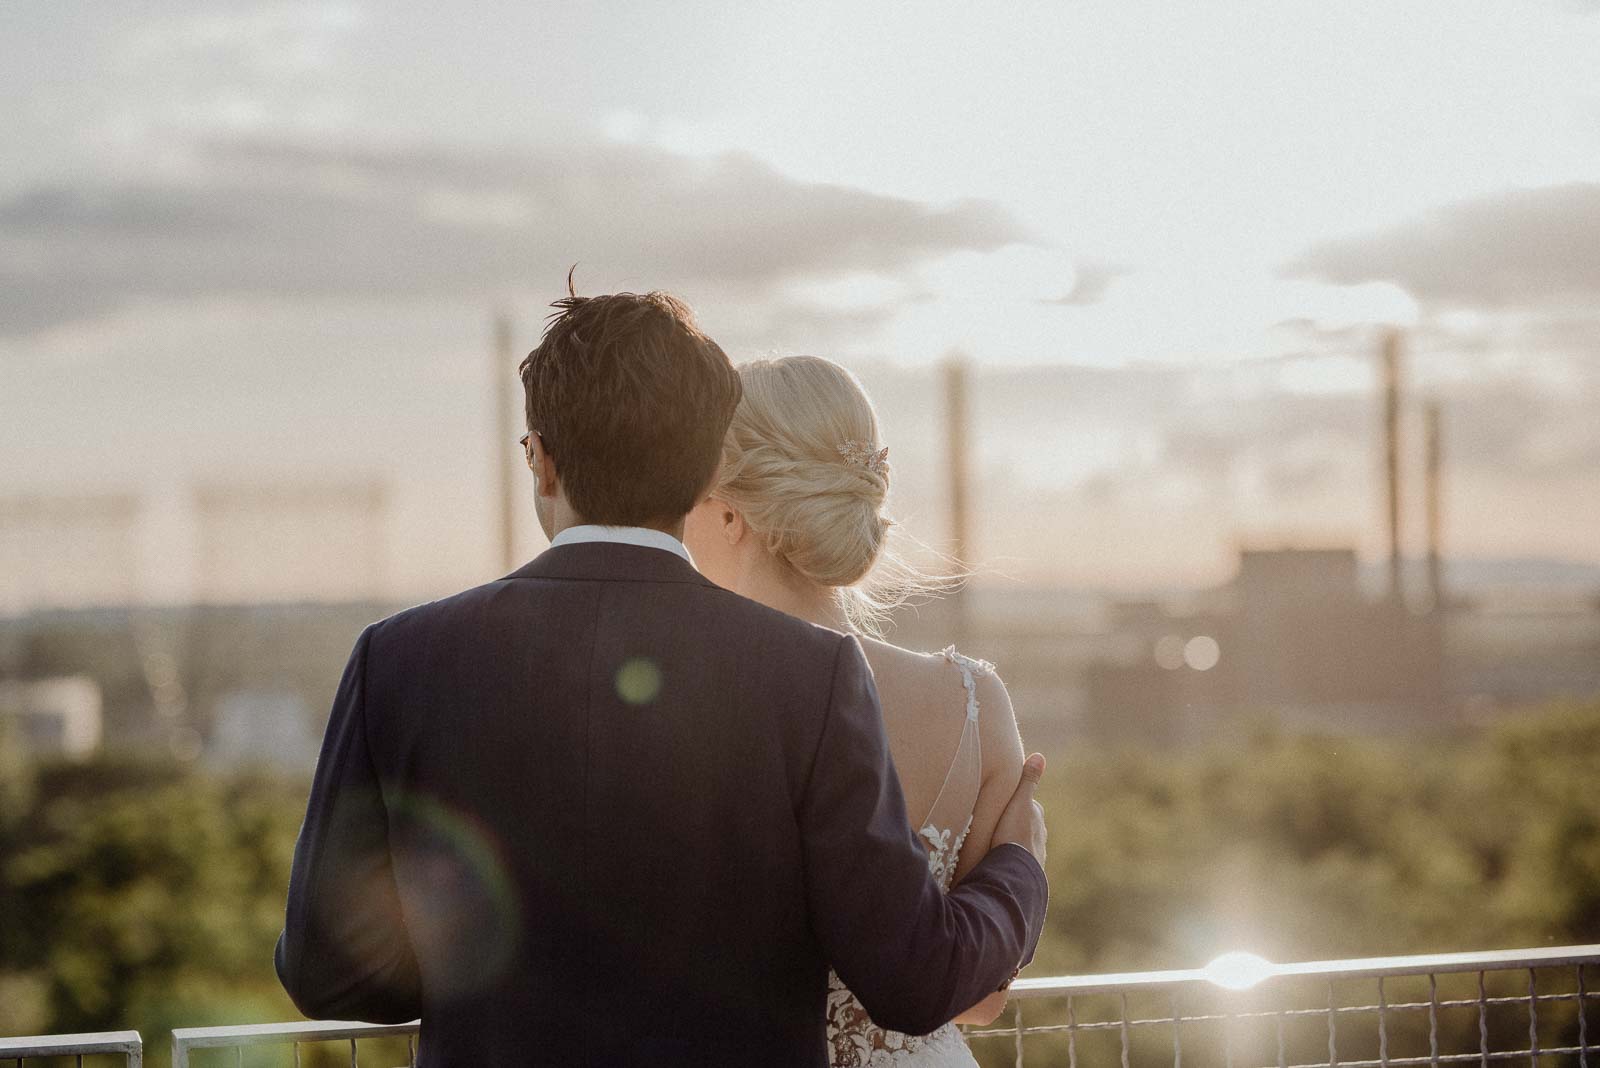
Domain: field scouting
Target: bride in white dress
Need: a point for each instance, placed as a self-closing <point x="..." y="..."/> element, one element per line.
<point x="797" y="521"/>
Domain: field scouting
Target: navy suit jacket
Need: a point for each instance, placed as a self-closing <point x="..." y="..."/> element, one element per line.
<point x="602" y="811"/>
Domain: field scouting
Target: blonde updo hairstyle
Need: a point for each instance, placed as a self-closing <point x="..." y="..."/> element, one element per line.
<point x="814" y="509"/>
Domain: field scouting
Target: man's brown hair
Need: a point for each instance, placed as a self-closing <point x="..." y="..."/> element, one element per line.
<point x="632" y="402"/>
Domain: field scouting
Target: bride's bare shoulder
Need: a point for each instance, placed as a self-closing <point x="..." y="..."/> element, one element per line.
<point x="907" y="671"/>
<point x="927" y="677"/>
<point x="915" y="687"/>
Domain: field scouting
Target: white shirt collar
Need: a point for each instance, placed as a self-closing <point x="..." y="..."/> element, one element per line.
<point x="644" y="536"/>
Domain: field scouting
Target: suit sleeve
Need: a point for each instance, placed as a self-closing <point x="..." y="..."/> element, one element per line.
<point x="914" y="956"/>
<point x="344" y="952"/>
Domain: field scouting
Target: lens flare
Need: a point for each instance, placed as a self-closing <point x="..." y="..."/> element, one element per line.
<point x="462" y="905"/>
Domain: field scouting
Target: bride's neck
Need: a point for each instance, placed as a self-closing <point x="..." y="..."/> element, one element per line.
<point x="775" y="584"/>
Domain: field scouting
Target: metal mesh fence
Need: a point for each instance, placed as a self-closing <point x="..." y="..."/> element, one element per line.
<point x="1532" y="1007"/>
<point x="1492" y="1009"/>
<point x="101" y="1047"/>
<point x="320" y="1044"/>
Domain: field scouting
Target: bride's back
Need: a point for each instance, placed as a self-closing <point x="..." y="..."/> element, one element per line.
<point x="925" y="713"/>
<point x="948" y="772"/>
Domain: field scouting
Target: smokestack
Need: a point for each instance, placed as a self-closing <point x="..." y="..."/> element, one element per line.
<point x="504" y="437"/>
<point x="1391" y="444"/>
<point x="1433" y="461"/>
<point x="957" y="416"/>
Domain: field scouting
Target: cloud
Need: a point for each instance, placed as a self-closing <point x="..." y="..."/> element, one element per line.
<point x="784" y="326"/>
<point x="1295" y="478"/>
<point x="1297" y="447"/>
<point x="1149" y="432"/>
<point x="1091" y="283"/>
<point x="272" y="40"/>
<point x="1524" y="248"/>
<point x="284" y="219"/>
<point x="1510" y="426"/>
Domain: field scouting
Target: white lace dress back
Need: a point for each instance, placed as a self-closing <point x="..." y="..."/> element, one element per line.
<point x="854" y="1041"/>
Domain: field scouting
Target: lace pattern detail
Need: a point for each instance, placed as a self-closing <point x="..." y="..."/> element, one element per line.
<point x="854" y="1041"/>
<point x="943" y="853"/>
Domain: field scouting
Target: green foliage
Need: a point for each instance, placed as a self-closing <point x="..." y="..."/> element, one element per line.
<point x="140" y="895"/>
<point x="16" y="784"/>
<point x="1304" y="848"/>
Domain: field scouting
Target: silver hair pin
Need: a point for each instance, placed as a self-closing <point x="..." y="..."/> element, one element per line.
<point x="861" y="454"/>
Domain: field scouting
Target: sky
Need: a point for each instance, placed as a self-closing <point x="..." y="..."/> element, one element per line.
<point x="248" y="244"/>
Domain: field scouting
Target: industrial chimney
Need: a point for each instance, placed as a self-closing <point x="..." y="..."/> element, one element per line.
<point x="500" y="371"/>
<point x="956" y="370"/>
<point x="1391" y="442"/>
<point x="1433" y="461"/>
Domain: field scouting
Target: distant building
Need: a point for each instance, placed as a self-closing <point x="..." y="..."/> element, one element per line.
<point x="1291" y="640"/>
<point x="171" y="677"/>
<point x="1303" y="634"/>
<point x="1512" y="651"/>
<point x="58" y="717"/>
<point x="264" y="727"/>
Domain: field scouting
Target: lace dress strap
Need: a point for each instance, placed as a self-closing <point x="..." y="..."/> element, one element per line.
<point x="971" y="670"/>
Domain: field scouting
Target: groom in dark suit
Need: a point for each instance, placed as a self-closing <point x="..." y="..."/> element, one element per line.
<point x="604" y="812"/>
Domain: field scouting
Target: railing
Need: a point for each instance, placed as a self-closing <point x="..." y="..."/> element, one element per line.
<point x="1454" y="1008"/>
<point x="124" y="1044"/>
<point x="1531" y="1006"/>
<point x="294" y="1035"/>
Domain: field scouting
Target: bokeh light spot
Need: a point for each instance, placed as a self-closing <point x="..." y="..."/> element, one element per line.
<point x="638" y="681"/>
<point x="1202" y="652"/>
<point x="1169" y="652"/>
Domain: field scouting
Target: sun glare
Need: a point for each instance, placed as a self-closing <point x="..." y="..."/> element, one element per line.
<point x="1238" y="970"/>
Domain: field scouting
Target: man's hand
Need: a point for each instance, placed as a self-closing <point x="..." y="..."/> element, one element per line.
<point x="1022" y="821"/>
